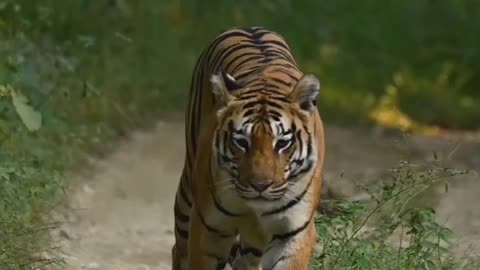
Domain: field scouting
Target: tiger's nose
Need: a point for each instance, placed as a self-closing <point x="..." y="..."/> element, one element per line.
<point x="261" y="186"/>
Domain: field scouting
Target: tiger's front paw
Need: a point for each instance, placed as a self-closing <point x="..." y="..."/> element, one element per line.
<point x="246" y="263"/>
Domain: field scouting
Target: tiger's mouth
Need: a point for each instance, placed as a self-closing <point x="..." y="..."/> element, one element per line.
<point x="262" y="193"/>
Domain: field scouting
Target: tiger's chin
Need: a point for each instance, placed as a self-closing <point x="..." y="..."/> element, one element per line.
<point x="261" y="205"/>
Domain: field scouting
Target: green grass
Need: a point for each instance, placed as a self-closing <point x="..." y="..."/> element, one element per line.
<point x="92" y="80"/>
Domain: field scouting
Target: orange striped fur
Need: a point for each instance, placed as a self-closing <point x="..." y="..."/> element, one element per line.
<point x="255" y="149"/>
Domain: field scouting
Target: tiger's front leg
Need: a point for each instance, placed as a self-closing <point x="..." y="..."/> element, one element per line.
<point x="290" y="252"/>
<point x="208" y="247"/>
<point x="248" y="258"/>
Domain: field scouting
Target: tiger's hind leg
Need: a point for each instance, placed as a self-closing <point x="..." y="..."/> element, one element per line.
<point x="182" y="211"/>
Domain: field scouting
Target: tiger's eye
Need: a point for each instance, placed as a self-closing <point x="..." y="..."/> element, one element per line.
<point x="282" y="144"/>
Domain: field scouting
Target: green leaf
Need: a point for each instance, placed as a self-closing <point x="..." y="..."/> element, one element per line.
<point x="31" y="118"/>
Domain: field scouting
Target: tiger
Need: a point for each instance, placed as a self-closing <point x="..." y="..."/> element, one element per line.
<point x="254" y="156"/>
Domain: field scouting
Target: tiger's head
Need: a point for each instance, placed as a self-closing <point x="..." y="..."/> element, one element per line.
<point x="264" y="143"/>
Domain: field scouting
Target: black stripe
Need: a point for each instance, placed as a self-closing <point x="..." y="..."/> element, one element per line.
<point x="286" y="65"/>
<point x="309" y="144"/>
<point x="272" y="90"/>
<point x="198" y="103"/>
<point x="181" y="232"/>
<point x="188" y="164"/>
<point x="257" y="84"/>
<point x="281" y="259"/>
<point x="225" y="158"/>
<point x="282" y="98"/>
<point x="243" y="54"/>
<point x="193" y="106"/>
<point x="254" y="79"/>
<point x="223" y="209"/>
<point x="291" y="203"/>
<point x="221" y="263"/>
<point x="248" y="112"/>
<point x="179" y="215"/>
<point x="274" y="117"/>
<point x="246" y="61"/>
<point x="267" y="59"/>
<point x="212" y="229"/>
<point x="184" y="195"/>
<point x="309" y="153"/>
<point x="244" y="97"/>
<point x="230" y="126"/>
<point x="304" y="170"/>
<point x="290" y="234"/>
<point x="225" y="147"/>
<point x="250" y="250"/>
<point x="194" y="115"/>
<point x="234" y="250"/>
<point x="258" y="35"/>
<point x="211" y="63"/>
<point x="213" y="46"/>
<point x="217" y="142"/>
<point x="270" y="43"/>
<point x="273" y="57"/>
<point x="293" y="79"/>
<point x="253" y="103"/>
<point x="280" y="81"/>
<point x="273" y="104"/>
<point x="287" y="72"/>
<point x="275" y="113"/>
<point x="283" y="55"/>
<point x="247" y="73"/>
<point x="228" y="51"/>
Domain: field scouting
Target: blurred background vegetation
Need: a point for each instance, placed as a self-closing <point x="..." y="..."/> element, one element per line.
<point x="76" y="74"/>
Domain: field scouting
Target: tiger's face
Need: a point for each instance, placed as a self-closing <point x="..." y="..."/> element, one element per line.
<point x="264" y="144"/>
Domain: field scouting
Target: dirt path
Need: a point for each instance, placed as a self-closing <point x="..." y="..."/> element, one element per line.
<point x="122" y="212"/>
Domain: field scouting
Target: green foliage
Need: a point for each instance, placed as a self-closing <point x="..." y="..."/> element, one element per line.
<point x="41" y="125"/>
<point x="31" y="118"/>
<point x="357" y="49"/>
<point x="390" y="233"/>
<point x="24" y="229"/>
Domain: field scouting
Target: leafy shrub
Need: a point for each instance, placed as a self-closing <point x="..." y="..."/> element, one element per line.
<point x="390" y="232"/>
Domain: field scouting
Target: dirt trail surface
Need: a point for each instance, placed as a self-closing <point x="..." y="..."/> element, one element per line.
<point x="120" y="215"/>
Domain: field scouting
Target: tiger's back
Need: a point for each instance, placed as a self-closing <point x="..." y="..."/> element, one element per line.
<point x="256" y="62"/>
<point x="243" y="53"/>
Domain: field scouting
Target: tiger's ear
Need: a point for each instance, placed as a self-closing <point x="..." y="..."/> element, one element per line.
<point x="222" y="84"/>
<point x="306" y="92"/>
